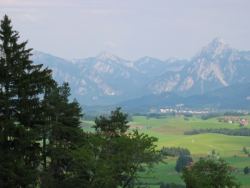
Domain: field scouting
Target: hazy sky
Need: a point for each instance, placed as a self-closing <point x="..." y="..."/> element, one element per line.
<point x="129" y="28"/>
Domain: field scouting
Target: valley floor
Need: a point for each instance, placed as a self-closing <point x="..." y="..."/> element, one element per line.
<point x="170" y="132"/>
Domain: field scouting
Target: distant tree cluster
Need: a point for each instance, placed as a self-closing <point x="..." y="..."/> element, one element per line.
<point x="182" y="162"/>
<point x="210" y="115"/>
<point x="234" y="114"/>
<point x="246" y="170"/>
<point x="184" y="156"/>
<point x="213" y="155"/>
<point x="233" y="132"/>
<point x="171" y="185"/>
<point x="188" y="115"/>
<point x="246" y="151"/>
<point x="209" y="172"/>
<point x="41" y="140"/>
<point x="174" y="151"/>
<point x="154" y="115"/>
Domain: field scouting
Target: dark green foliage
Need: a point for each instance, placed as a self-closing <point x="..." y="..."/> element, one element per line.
<point x="246" y="151"/>
<point x="22" y="86"/>
<point x="63" y="133"/>
<point x="188" y="115"/>
<point x="214" y="155"/>
<point x="232" y="132"/>
<point x="182" y="162"/>
<point x="174" y="151"/>
<point x="115" y="124"/>
<point x="246" y="170"/>
<point x="41" y="141"/>
<point x="113" y="156"/>
<point x="154" y="115"/>
<point x="209" y="172"/>
<point x="171" y="185"/>
<point x="110" y="157"/>
<point x="209" y="116"/>
<point x="234" y="114"/>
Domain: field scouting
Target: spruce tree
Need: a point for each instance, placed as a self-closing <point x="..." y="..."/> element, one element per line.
<point x="63" y="135"/>
<point x="182" y="162"/>
<point x="22" y="86"/>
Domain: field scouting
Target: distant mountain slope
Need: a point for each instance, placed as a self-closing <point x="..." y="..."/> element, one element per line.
<point x="110" y="79"/>
<point x="107" y="79"/>
<point x="231" y="97"/>
<point x="145" y="103"/>
<point x="215" y="66"/>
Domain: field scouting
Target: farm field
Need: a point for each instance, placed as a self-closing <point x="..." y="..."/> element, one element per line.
<point x="170" y="132"/>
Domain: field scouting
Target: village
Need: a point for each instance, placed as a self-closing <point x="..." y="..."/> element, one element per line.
<point x="234" y="119"/>
<point x="182" y="111"/>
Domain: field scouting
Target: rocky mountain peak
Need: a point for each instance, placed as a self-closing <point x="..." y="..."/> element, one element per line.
<point x="216" y="47"/>
<point x="106" y="56"/>
<point x="107" y="79"/>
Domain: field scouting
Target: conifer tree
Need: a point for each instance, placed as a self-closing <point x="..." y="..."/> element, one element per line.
<point x="22" y="86"/>
<point x="115" y="125"/>
<point x="63" y="134"/>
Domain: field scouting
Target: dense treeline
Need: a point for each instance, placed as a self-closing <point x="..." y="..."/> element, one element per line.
<point x="210" y="115"/>
<point x="174" y="151"/>
<point x="182" y="162"/>
<point x="232" y="132"/>
<point x="184" y="157"/>
<point x="41" y="141"/>
<point x="235" y="114"/>
<point x="246" y="170"/>
<point x="171" y="185"/>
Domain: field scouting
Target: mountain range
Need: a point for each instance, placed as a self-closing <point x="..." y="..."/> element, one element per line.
<point x="109" y="80"/>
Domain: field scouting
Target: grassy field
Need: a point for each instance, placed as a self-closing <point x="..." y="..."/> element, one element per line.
<point x="170" y="132"/>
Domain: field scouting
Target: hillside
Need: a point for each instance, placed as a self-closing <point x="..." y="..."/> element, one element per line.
<point x="107" y="79"/>
<point x="230" y="97"/>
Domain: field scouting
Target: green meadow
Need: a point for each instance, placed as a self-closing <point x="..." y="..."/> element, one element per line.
<point x="170" y="132"/>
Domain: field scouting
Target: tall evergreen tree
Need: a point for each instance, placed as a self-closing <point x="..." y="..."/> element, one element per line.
<point x="22" y="86"/>
<point x="64" y="135"/>
<point x="182" y="162"/>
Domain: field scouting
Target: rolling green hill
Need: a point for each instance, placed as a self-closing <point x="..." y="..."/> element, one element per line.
<point x="170" y="132"/>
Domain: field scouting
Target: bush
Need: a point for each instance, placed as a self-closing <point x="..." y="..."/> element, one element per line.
<point x="246" y="170"/>
<point x="174" y="151"/>
<point x="232" y="132"/>
<point x="209" y="172"/>
<point x="182" y="162"/>
<point x="171" y="185"/>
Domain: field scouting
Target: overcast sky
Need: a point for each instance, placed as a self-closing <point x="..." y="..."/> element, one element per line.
<point x="129" y="28"/>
